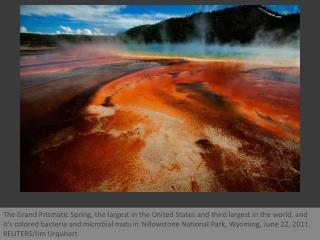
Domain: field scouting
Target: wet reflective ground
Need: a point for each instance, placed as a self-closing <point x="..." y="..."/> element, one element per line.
<point x="98" y="121"/>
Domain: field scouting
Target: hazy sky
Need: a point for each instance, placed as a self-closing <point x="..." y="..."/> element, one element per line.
<point x="108" y="19"/>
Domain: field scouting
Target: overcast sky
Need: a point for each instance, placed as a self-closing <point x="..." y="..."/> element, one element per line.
<point x="108" y="19"/>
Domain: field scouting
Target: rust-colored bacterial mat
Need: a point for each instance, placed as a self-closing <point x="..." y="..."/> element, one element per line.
<point x="102" y="121"/>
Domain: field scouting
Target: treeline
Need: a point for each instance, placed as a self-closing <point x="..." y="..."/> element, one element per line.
<point x="40" y="40"/>
<point x="239" y="24"/>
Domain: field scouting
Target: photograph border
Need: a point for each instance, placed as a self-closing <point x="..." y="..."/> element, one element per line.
<point x="10" y="139"/>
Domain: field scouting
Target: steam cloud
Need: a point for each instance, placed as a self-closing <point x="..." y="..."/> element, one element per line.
<point x="266" y="46"/>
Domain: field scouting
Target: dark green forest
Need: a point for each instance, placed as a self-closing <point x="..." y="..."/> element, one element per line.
<point x="239" y="24"/>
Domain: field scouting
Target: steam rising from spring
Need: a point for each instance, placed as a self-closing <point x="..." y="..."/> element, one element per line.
<point x="266" y="46"/>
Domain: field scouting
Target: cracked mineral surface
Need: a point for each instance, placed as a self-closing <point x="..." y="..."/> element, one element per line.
<point x="120" y="123"/>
